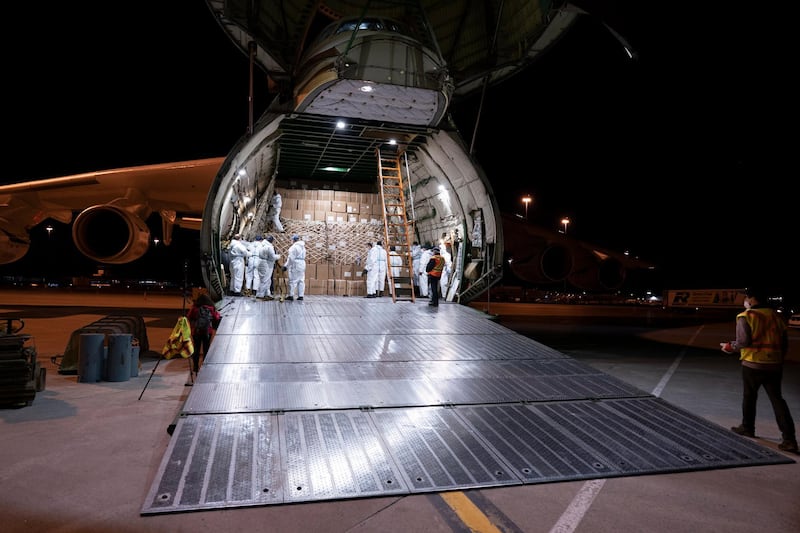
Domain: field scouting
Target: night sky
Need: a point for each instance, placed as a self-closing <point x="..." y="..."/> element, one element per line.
<point x="675" y="156"/>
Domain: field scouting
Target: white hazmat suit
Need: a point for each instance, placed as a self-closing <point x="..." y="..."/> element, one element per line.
<point x="237" y="251"/>
<point x="296" y="268"/>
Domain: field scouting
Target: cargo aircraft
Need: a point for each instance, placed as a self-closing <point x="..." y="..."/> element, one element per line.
<point x="353" y="85"/>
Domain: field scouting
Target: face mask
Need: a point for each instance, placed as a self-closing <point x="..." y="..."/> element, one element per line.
<point x="747" y="303"/>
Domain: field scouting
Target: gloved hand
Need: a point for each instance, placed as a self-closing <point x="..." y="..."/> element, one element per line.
<point x="726" y="347"/>
<point x="283" y="268"/>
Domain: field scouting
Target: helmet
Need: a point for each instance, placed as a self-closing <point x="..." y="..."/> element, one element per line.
<point x="259" y="237"/>
<point x="270" y="238"/>
<point x="435" y="250"/>
<point x="295" y="237"/>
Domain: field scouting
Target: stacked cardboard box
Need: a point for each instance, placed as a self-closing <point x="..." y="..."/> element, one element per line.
<point x="335" y="225"/>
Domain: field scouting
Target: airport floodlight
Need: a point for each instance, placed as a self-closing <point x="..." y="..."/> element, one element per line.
<point x="526" y="200"/>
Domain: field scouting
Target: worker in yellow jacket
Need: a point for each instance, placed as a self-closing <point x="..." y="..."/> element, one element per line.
<point x="762" y="342"/>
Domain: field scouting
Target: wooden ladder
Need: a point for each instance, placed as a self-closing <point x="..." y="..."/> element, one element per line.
<point x="397" y="230"/>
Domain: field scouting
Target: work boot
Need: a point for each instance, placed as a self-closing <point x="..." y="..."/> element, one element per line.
<point x="746" y="432"/>
<point x="289" y="298"/>
<point x="788" y="445"/>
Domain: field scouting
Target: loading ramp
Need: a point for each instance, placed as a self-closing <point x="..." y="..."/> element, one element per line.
<point x="339" y="398"/>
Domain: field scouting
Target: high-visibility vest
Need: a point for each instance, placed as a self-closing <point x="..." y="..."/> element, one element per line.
<point x="438" y="266"/>
<point x="766" y="331"/>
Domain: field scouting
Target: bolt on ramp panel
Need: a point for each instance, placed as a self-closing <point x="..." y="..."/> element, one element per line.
<point x="237" y="460"/>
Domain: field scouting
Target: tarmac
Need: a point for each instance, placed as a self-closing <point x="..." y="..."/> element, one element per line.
<point x="82" y="456"/>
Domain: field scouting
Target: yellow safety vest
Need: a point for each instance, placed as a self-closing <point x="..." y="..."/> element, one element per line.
<point x="766" y="331"/>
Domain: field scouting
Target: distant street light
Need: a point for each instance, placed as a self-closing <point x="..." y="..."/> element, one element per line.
<point x="155" y="241"/>
<point x="49" y="230"/>
<point x="526" y="200"/>
<point x="565" y="221"/>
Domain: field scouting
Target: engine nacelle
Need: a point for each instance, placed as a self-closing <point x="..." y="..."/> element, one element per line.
<point x="110" y="234"/>
<point x="593" y="273"/>
<point x="534" y="254"/>
<point x="11" y="249"/>
<point x="542" y="265"/>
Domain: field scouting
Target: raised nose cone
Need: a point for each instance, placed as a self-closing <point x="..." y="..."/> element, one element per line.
<point x="373" y="69"/>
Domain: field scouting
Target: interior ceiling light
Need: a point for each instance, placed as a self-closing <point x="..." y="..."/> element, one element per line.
<point x="335" y="169"/>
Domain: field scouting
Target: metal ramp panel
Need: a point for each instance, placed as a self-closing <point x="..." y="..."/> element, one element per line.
<point x="362" y="410"/>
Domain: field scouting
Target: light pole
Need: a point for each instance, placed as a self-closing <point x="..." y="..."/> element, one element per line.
<point x="526" y="200"/>
<point x="565" y="221"/>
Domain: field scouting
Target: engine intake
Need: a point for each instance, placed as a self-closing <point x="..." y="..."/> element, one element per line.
<point x="110" y="234"/>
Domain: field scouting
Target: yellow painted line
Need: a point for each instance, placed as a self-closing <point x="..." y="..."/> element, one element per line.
<point x="469" y="513"/>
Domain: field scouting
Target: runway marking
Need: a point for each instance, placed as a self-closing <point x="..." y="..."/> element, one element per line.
<point x="577" y="508"/>
<point x="674" y="366"/>
<point x="469" y="513"/>
<point x="580" y="504"/>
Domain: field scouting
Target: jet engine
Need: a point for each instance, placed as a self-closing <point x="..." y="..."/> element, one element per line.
<point x="535" y="254"/>
<point x="110" y="234"/>
<point x="542" y="265"/>
<point x="540" y="255"/>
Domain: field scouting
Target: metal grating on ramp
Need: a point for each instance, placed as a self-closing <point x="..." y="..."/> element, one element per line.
<point x="262" y="459"/>
<point x="311" y="413"/>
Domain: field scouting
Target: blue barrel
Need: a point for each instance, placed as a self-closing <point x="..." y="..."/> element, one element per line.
<point x="135" y="360"/>
<point x="118" y="363"/>
<point x="90" y="357"/>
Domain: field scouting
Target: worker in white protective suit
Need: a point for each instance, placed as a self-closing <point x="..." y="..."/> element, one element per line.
<point x="274" y="212"/>
<point x="444" y="282"/>
<point x="251" y="263"/>
<point x="371" y="270"/>
<point x="295" y="267"/>
<point x="383" y="267"/>
<point x="416" y="254"/>
<point x="266" y="265"/>
<point x="426" y="255"/>
<point x="237" y="252"/>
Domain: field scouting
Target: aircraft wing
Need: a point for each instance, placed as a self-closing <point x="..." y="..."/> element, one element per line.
<point x="543" y="256"/>
<point x="112" y="207"/>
